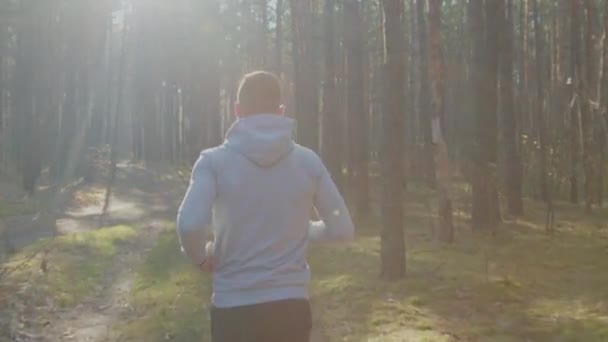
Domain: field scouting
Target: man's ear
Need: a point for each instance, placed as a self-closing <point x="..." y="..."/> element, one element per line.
<point x="237" y="109"/>
<point x="281" y="110"/>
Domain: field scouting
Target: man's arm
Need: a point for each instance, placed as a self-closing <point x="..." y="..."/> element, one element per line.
<point x="195" y="211"/>
<point x="336" y="224"/>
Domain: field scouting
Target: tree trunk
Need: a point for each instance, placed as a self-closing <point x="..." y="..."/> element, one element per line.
<point x="212" y="106"/>
<point x="392" y="237"/>
<point x="331" y="141"/>
<point x="412" y="97"/>
<point x="436" y="74"/>
<point x="602" y="97"/>
<point x="424" y="99"/>
<point x="540" y="101"/>
<point x="3" y="98"/>
<point x="263" y="39"/>
<point x="513" y="164"/>
<point x="486" y="211"/>
<point x="524" y="98"/>
<point x="279" y="38"/>
<point x="601" y="169"/>
<point x="28" y="131"/>
<point x="354" y="42"/>
<point x="575" y="74"/>
<point x="587" y="108"/>
<point x="306" y="96"/>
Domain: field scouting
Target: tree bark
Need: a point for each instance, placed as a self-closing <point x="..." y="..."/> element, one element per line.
<point x="513" y="164"/>
<point x="392" y="237"/>
<point x="28" y="130"/>
<point x="540" y="102"/>
<point x="486" y="212"/>
<point x="330" y="129"/>
<point x="575" y="74"/>
<point x="412" y="97"/>
<point x="587" y="107"/>
<point x="263" y="39"/>
<point x="306" y="96"/>
<point x="279" y="37"/>
<point x="354" y="43"/>
<point x="3" y="96"/>
<point x="424" y="98"/>
<point x="436" y="72"/>
<point x="602" y="97"/>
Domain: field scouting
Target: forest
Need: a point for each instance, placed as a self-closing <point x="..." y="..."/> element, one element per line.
<point x="469" y="138"/>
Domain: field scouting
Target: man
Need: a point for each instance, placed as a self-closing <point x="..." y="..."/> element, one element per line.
<point x="261" y="188"/>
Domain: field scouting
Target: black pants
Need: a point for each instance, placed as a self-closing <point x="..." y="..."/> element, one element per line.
<point x="280" y="321"/>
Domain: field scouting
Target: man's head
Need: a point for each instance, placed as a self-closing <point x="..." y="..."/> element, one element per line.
<point x="259" y="93"/>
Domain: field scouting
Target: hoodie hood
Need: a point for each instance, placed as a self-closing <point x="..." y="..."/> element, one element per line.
<point x="264" y="138"/>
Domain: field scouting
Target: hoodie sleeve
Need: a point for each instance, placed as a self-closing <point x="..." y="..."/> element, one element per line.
<point x="194" y="213"/>
<point x="336" y="225"/>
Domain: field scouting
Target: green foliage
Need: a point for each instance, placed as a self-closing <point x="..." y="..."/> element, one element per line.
<point x="75" y="264"/>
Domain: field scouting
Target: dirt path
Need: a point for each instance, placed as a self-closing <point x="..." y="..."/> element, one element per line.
<point x="93" y="318"/>
<point x="144" y="200"/>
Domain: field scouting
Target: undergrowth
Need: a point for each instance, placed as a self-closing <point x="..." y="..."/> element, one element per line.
<point x="517" y="285"/>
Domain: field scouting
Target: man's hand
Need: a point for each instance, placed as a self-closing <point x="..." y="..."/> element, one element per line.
<point x="207" y="266"/>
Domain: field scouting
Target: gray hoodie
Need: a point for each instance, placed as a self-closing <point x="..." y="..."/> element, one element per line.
<point x="260" y="189"/>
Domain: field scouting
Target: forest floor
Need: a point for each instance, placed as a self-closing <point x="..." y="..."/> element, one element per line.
<point x="129" y="282"/>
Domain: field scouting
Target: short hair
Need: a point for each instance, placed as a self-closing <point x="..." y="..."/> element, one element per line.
<point x="259" y="93"/>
